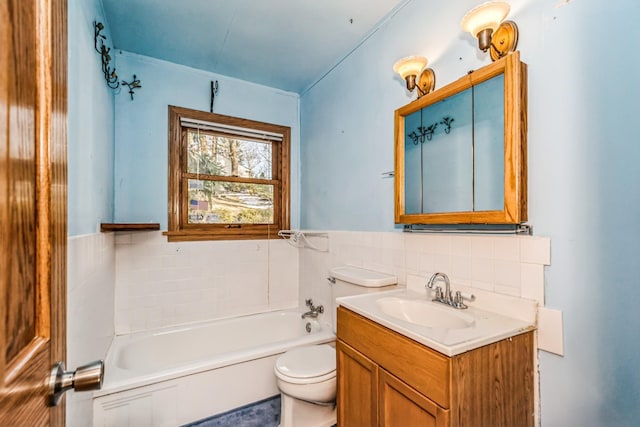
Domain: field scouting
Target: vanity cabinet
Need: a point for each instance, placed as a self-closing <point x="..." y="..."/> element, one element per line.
<point x="386" y="379"/>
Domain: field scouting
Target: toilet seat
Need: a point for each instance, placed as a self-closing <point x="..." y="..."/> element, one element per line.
<point x="304" y="365"/>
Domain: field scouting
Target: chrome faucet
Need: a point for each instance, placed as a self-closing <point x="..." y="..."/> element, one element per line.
<point x="446" y="297"/>
<point x="313" y="310"/>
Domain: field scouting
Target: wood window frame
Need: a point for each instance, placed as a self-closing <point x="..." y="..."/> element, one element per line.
<point x="179" y="229"/>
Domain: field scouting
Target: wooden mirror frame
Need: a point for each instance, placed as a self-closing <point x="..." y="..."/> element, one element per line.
<point x="515" y="146"/>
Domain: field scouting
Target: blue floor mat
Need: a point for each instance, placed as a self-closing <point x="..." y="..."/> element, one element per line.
<point x="265" y="413"/>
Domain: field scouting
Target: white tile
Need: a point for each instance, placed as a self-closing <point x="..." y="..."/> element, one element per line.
<point x="507" y="273"/>
<point x="79" y="409"/>
<point x="426" y="262"/>
<point x="392" y="257"/>
<point x="507" y="290"/>
<point x="506" y="248"/>
<point x="532" y="282"/>
<point x="90" y="297"/>
<point x="371" y="255"/>
<point x="123" y="239"/>
<point x="438" y="244"/>
<point x="371" y="239"/>
<point x="485" y="286"/>
<point x="550" y="334"/>
<point x="416" y="242"/>
<point x="412" y="260"/>
<point x="401" y="274"/>
<point x="482" y="247"/>
<point x="482" y="270"/>
<point x="506" y="305"/>
<point x="393" y="240"/>
<point x="441" y="263"/>
<point x="535" y="250"/>
<point x="416" y="282"/>
<point x="461" y="267"/>
<point x="461" y="246"/>
<point x="148" y="238"/>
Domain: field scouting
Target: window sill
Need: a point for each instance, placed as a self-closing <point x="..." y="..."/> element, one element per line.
<point x="108" y="226"/>
<point x="203" y="235"/>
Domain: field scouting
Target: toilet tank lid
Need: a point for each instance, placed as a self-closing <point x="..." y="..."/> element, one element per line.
<point x="362" y="277"/>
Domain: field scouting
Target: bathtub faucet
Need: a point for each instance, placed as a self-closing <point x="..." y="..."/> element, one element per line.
<point x="313" y="310"/>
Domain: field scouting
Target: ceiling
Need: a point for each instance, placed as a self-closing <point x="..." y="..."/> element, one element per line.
<point x="286" y="44"/>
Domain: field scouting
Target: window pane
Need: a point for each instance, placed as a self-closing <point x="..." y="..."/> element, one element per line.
<point x="221" y="202"/>
<point x="218" y="155"/>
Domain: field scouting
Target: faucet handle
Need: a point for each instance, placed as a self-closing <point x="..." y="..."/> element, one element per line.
<point x="458" y="298"/>
<point x="309" y="302"/>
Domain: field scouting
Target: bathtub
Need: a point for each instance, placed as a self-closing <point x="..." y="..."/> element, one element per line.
<point x="175" y="376"/>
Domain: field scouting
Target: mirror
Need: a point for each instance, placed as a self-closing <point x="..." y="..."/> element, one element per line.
<point x="461" y="150"/>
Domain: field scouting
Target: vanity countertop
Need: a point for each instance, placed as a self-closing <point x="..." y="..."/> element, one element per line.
<point x="470" y="328"/>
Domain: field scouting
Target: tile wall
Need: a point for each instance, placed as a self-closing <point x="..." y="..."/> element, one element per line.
<point x="161" y="284"/>
<point x="90" y="298"/>
<point x="507" y="265"/>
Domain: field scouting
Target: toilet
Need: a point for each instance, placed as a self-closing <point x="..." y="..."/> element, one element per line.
<point x="306" y="376"/>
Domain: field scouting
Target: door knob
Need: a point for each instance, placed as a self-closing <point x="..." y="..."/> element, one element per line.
<point x="85" y="378"/>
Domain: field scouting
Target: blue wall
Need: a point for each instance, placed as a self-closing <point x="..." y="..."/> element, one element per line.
<point x="91" y="122"/>
<point x="141" y="155"/>
<point x="583" y="172"/>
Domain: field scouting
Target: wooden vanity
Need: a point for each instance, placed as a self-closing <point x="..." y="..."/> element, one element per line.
<point x="386" y="379"/>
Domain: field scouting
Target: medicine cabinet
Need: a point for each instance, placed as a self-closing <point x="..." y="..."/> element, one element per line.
<point x="460" y="151"/>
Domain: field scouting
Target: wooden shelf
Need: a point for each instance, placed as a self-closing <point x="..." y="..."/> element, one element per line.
<point x="108" y="226"/>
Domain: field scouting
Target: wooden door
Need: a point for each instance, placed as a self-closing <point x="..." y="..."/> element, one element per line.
<point x="357" y="389"/>
<point x="402" y="406"/>
<point x="33" y="88"/>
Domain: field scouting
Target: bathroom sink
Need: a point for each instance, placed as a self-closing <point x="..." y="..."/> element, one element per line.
<point x="424" y="313"/>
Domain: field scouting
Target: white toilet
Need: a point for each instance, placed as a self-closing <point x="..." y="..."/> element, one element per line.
<point x="306" y="376"/>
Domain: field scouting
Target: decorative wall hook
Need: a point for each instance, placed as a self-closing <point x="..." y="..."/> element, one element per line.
<point x="430" y="130"/>
<point x="423" y="133"/>
<point x="214" y="91"/>
<point x="447" y="122"/>
<point x="134" y="84"/>
<point x="417" y="136"/>
<point x="426" y="133"/>
<point x="109" y="74"/>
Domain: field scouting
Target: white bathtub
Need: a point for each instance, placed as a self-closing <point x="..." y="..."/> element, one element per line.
<point x="176" y="376"/>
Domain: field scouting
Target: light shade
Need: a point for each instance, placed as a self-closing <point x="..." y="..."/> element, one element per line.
<point x="486" y="16"/>
<point x="410" y="66"/>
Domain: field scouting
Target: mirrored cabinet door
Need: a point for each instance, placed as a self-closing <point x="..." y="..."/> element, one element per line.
<point x="461" y="150"/>
<point x="447" y="155"/>
<point x="488" y="145"/>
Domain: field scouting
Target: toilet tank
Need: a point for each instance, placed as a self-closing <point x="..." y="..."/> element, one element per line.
<point x="348" y="280"/>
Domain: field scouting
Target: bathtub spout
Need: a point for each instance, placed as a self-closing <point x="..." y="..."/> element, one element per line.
<point x="313" y="310"/>
<point x="312" y="313"/>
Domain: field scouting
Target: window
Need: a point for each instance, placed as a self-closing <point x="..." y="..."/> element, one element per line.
<point x="228" y="177"/>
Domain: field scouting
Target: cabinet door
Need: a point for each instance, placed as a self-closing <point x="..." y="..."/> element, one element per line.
<point x="357" y="394"/>
<point x="402" y="406"/>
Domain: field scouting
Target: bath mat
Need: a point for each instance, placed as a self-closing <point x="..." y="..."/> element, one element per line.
<point x="265" y="413"/>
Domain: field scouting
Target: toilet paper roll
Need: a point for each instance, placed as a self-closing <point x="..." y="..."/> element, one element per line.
<point x="313" y="326"/>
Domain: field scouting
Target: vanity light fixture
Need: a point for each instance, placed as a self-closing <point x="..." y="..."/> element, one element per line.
<point x="412" y="68"/>
<point x="486" y="23"/>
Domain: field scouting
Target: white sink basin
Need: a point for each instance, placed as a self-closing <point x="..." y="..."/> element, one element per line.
<point x="424" y="313"/>
<point x="445" y="329"/>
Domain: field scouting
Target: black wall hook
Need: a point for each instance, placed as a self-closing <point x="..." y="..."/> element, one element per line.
<point x="214" y="91"/>
<point x="134" y="84"/>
